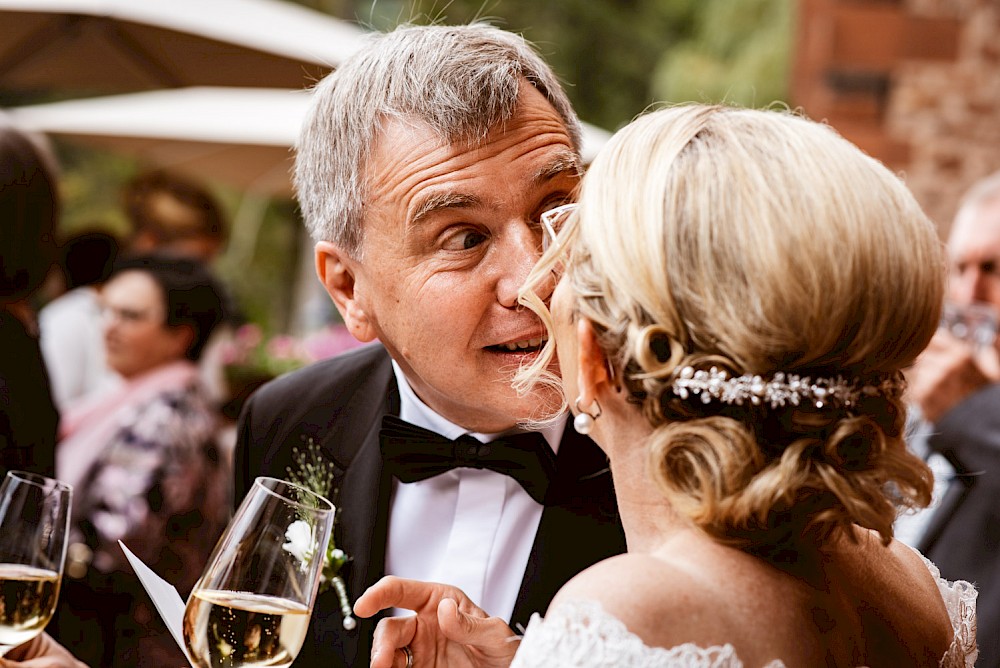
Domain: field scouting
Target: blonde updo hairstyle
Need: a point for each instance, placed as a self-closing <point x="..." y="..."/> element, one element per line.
<point x="760" y="242"/>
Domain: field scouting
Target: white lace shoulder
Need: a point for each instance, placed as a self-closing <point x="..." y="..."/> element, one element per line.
<point x="581" y="634"/>
<point x="960" y="600"/>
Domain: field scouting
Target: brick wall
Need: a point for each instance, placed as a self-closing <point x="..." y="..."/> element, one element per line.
<point x="916" y="83"/>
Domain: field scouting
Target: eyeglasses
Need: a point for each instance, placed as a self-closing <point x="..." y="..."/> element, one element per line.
<point x="552" y="222"/>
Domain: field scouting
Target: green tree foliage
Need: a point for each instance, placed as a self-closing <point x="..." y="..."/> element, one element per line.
<point x="617" y="57"/>
<point x="603" y="51"/>
<point x="90" y="187"/>
<point x="259" y="264"/>
<point x="738" y="53"/>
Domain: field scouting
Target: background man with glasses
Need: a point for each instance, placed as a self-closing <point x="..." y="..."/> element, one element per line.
<point x="956" y="383"/>
<point x="423" y="172"/>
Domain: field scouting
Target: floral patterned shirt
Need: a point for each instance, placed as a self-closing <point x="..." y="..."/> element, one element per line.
<point x="161" y="486"/>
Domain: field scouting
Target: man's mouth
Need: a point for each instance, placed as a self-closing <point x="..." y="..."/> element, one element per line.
<point x="524" y="346"/>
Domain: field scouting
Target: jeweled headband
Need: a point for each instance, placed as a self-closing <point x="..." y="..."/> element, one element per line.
<point x="780" y="390"/>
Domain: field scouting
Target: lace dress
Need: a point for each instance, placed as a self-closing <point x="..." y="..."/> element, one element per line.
<point x="582" y="635"/>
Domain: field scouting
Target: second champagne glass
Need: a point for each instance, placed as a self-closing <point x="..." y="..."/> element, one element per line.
<point x="253" y="603"/>
<point x="34" y="521"/>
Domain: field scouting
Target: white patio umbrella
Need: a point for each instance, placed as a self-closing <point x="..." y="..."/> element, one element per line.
<point x="239" y="136"/>
<point x="93" y="46"/>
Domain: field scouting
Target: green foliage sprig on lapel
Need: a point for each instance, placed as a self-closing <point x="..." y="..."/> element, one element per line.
<point x="316" y="474"/>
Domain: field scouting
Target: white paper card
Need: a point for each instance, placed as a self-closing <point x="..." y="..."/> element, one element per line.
<point x="165" y="597"/>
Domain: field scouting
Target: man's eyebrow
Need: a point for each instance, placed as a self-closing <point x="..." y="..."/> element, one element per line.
<point x="441" y="201"/>
<point x="564" y="162"/>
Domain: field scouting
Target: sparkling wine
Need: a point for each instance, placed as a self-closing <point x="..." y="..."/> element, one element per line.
<point x="233" y="629"/>
<point x="27" y="600"/>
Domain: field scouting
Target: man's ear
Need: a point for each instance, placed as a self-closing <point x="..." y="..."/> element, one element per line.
<point x="592" y="367"/>
<point x="338" y="274"/>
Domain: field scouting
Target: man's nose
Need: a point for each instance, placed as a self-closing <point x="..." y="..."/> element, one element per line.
<point x="524" y="250"/>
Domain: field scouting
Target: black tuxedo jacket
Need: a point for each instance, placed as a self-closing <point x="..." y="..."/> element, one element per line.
<point x="339" y="403"/>
<point x="963" y="536"/>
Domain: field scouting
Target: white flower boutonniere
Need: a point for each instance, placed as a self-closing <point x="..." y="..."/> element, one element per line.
<point x="315" y="473"/>
<point x="299" y="537"/>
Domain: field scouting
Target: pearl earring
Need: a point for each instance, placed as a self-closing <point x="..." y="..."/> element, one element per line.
<point x="584" y="421"/>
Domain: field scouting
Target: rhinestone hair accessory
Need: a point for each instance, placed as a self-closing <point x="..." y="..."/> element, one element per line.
<point x="781" y="390"/>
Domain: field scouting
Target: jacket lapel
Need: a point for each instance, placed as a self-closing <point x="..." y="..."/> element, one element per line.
<point x="580" y="526"/>
<point x="362" y="495"/>
<point x="364" y="516"/>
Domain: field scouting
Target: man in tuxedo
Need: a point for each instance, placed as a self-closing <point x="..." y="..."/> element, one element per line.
<point x="956" y="383"/>
<point x="422" y="170"/>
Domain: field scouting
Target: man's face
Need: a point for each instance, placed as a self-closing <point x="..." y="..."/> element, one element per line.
<point x="451" y="232"/>
<point x="974" y="256"/>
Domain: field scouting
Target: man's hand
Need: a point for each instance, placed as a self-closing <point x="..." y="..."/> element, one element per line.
<point x="448" y="629"/>
<point x="42" y="652"/>
<point x="944" y="375"/>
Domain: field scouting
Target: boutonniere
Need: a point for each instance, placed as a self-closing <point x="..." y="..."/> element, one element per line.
<point x="315" y="473"/>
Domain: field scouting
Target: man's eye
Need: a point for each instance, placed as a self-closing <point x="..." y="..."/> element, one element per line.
<point x="465" y="240"/>
<point x="473" y="239"/>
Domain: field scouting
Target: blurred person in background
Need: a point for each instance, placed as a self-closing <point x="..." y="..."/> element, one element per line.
<point x="956" y="384"/>
<point x="168" y="214"/>
<point x="172" y="215"/>
<point x="144" y="462"/>
<point x="29" y="208"/>
<point x="72" y="337"/>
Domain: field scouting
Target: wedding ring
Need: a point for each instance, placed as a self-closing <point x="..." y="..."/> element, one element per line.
<point x="409" y="656"/>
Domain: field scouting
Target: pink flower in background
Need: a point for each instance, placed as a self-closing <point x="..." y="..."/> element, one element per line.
<point x="239" y="349"/>
<point x="249" y="335"/>
<point x="284" y="347"/>
<point x="328" y="342"/>
<point x="251" y="359"/>
<point x="249" y="349"/>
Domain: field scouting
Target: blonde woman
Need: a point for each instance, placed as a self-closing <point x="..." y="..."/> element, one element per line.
<point x="740" y="291"/>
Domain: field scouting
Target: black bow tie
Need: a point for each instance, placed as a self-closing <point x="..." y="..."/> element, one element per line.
<point x="411" y="454"/>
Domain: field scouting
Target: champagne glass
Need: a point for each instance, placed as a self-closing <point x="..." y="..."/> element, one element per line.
<point x="254" y="600"/>
<point x="974" y="323"/>
<point x="34" y="522"/>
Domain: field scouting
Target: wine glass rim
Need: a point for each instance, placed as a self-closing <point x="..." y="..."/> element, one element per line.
<point x="261" y="479"/>
<point x="40" y="480"/>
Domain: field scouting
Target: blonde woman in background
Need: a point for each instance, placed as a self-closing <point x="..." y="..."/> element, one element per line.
<point x="739" y="293"/>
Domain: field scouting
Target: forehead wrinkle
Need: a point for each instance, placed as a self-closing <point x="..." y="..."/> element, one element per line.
<point x="443" y="201"/>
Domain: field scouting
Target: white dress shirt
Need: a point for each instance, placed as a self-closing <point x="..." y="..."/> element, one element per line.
<point x="469" y="528"/>
<point x="911" y="525"/>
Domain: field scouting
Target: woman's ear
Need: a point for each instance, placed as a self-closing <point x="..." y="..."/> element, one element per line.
<point x="338" y="273"/>
<point x="592" y="366"/>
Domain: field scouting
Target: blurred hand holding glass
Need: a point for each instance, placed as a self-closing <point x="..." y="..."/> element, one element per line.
<point x="34" y="521"/>
<point x="253" y="603"/>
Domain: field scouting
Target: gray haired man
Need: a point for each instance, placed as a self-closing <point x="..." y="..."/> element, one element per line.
<point x="422" y="171"/>
<point x="956" y="383"/>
